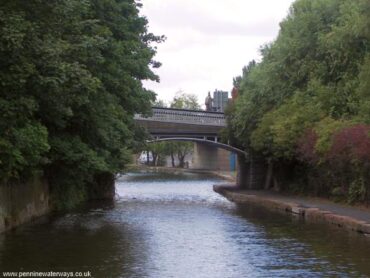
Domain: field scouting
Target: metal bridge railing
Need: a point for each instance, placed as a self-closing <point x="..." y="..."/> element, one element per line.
<point x="185" y="116"/>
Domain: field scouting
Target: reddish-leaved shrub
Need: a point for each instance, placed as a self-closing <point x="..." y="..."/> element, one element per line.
<point x="351" y="144"/>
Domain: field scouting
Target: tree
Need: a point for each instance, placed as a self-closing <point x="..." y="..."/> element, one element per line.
<point x="174" y="149"/>
<point x="71" y="80"/>
<point x="182" y="149"/>
<point x="171" y="148"/>
<point x="245" y="71"/>
<point x="185" y="101"/>
<point x="159" y="103"/>
<point x="158" y="150"/>
<point x="312" y="83"/>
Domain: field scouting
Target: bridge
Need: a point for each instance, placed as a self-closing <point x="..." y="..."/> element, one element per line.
<point x="202" y="128"/>
<point x="172" y="123"/>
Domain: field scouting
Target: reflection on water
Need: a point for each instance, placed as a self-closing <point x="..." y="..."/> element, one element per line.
<point x="174" y="225"/>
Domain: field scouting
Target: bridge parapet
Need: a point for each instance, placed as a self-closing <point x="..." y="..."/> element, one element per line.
<point x="185" y="116"/>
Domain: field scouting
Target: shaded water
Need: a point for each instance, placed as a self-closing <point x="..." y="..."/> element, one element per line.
<point x="174" y="225"/>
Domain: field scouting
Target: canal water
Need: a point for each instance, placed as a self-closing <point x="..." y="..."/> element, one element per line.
<point x="174" y="225"/>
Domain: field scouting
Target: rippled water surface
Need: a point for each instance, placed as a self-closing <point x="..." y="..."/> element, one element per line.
<point x="174" y="225"/>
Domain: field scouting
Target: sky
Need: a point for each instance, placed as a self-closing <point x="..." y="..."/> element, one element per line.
<point x="208" y="41"/>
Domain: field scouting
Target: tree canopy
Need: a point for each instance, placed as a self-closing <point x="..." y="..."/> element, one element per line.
<point x="311" y="84"/>
<point x="180" y="150"/>
<point x="71" y="80"/>
<point x="183" y="100"/>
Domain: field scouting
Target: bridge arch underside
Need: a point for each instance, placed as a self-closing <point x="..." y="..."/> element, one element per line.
<point x="206" y="142"/>
<point x="202" y="128"/>
<point x="209" y="154"/>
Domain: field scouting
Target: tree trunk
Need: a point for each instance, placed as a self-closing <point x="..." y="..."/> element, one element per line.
<point x="173" y="160"/>
<point x="269" y="176"/>
<point x="181" y="158"/>
<point x="155" y="157"/>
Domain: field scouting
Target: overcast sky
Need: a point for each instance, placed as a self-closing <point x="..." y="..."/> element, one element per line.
<point x="209" y="41"/>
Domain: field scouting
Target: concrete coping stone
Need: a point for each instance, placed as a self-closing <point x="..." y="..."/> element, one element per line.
<point x="312" y="214"/>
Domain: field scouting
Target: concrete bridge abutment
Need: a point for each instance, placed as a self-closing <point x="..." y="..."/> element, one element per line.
<point x="251" y="168"/>
<point x="207" y="157"/>
<point x="251" y="171"/>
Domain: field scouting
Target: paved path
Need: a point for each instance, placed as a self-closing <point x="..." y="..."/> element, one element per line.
<point x="306" y="202"/>
<point x="313" y="209"/>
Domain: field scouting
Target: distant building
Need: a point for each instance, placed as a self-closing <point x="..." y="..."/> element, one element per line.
<point x="219" y="101"/>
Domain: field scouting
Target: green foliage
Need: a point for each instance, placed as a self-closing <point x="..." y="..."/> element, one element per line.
<point x="357" y="191"/>
<point x="279" y="129"/>
<point x="21" y="151"/>
<point x="325" y="130"/>
<point x="314" y="76"/>
<point x="363" y="91"/>
<point x="69" y="195"/>
<point x="182" y="149"/>
<point x="159" y="103"/>
<point x="185" y="101"/>
<point x="160" y="150"/>
<point x="70" y="81"/>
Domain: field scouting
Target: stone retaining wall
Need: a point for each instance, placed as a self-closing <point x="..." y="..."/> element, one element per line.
<point x="20" y="203"/>
<point x="310" y="214"/>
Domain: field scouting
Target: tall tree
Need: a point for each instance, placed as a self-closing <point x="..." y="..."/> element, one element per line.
<point x="185" y="101"/>
<point x="311" y="86"/>
<point x="71" y="80"/>
<point x="176" y="149"/>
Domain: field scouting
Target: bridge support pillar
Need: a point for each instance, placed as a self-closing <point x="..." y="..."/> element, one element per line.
<point x="210" y="158"/>
<point x="251" y="172"/>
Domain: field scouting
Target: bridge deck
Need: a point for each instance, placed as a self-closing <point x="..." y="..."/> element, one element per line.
<point x="184" y="116"/>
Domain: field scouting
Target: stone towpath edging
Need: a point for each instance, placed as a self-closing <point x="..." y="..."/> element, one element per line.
<point x="349" y="218"/>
